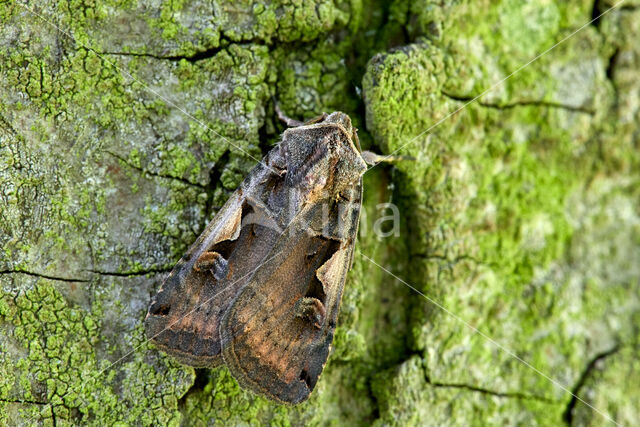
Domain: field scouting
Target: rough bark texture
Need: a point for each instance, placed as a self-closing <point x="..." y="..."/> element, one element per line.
<point x="124" y="125"/>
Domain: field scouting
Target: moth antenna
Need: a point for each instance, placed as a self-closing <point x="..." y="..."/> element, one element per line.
<point x="292" y="123"/>
<point x="373" y="159"/>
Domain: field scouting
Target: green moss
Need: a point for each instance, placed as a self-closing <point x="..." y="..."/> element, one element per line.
<point x="65" y="368"/>
<point x="315" y="79"/>
<point x="605" y="388"/>
<point x="486" y="205"/>
<point x="170" y="27"/>
<point x="518" y="214"/>
<point x="286" y="21"/>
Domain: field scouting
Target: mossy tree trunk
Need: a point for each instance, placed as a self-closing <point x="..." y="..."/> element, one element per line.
<point x="124" y="126"/>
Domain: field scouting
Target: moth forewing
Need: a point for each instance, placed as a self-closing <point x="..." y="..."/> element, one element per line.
<point x="183" y="317"/>
<point x="270" y="348"/>
<point x="172" y="321"/>
<point x="262" y="284"/>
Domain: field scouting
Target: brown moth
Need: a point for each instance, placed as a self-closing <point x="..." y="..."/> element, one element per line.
<point x="260" y="289"/>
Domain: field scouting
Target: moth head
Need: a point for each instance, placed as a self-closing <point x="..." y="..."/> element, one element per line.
<point x="322" y="159"/>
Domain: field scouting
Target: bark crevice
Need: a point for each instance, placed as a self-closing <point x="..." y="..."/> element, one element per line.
<point x="512" y="395"/>
<point x="131" y="273"/>
<point x="199" y="383"/>
<point x="25" y="402"/>
<point x="44" y="276"/>
<point x="541" y="104"/>
<point x="198" y="56"/>
<point x="159" y="175"/>
<point x="567" y="416"/>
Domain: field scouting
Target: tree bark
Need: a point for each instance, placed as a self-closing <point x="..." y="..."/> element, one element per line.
<point x="510" y="294"/>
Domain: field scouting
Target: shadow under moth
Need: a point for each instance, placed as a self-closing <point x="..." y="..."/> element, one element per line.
<point x="260" y="289"/>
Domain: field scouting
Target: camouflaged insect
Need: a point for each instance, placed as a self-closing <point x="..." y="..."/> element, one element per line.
<point x="260" y="289"/>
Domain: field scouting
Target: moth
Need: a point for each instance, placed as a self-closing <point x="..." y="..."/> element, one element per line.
<point x="260" y="289"/>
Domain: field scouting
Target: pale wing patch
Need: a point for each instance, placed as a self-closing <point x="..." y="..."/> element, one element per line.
<point x="331" y="272"/>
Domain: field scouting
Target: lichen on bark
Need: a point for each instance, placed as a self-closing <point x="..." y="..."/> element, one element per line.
<point x="124" y="126"/>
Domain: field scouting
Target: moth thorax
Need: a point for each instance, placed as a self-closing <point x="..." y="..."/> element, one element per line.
<point x="347" y="172"/>
<point x="341" y="119"/>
